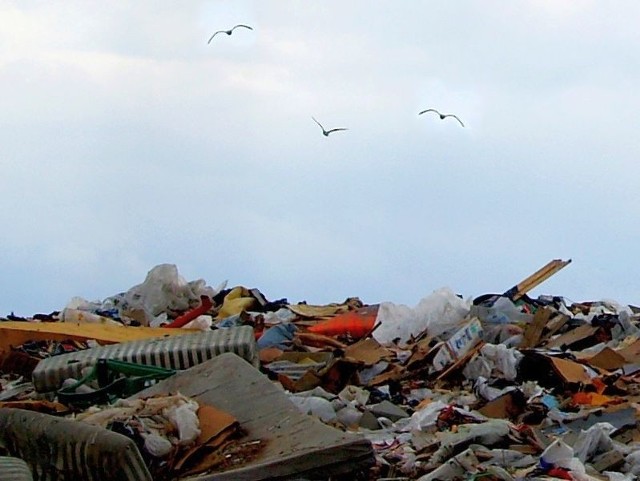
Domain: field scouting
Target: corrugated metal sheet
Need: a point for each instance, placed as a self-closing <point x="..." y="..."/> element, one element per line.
<point x="176" y="352"/>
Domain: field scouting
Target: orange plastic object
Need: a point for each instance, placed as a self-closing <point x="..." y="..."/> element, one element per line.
<point x="594" y="399"/>
<point x="354" y="323"/>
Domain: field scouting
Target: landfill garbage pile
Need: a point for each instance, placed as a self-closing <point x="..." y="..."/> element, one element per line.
<point x="500" y="387"/>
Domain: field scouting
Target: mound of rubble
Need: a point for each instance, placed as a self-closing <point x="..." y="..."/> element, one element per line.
<point x="181" y="380"/>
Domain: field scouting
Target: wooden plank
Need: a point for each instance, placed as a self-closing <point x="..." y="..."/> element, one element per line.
<point x="537" y="278"/>
<point x="16" y="333"/>
<point x="533" y="331"/>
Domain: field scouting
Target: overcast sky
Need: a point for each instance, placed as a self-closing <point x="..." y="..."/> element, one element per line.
<point x="127" y="141"/>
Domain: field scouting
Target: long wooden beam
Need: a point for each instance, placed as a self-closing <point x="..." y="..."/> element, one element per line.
<point x="537" y="278"/>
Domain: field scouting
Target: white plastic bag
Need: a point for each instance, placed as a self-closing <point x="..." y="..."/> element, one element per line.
<point x="316" y="406"/>
<point x="594" y="440"/>
<point x="494" y="361"/>
<point x="349" y="416"/>
<point x="163" y="290"/>
<point x="439" y="312"/>
<point x="185" y="419"/>
<point x="203" y="323"/>
<point x="425" y="417"/>
<point x="157" y="445"/>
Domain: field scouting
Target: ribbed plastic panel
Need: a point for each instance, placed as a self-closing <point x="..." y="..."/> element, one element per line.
<point x="175" y="352"/>
<point x="14" y="469"/>
<point x="61" y="449"/>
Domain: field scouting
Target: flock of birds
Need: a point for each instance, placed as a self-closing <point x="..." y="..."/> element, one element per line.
<point x="326" y="132"/>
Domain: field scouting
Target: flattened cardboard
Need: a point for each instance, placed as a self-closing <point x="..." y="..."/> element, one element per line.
<point x="631" y="353"/>
<point x="216" y="427"/>
<point x="570" y="371"/>
<point x="40" y="406"/>
<point x="422" y="353"/>
<point x="607" y="359"/>
<point x="213" y="422"/>
<point x="395" y="373"/>
<point x="556" y="323"/>
<point x="508" y="406"/>
<point x="269" y="354"/>
<point x="571" y="337"/>
<point x="369" y="351"/>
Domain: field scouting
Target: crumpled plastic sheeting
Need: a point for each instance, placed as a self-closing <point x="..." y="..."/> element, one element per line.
<point x="463" y="464"/>
<point x="426" y="417"/>
<point x="494" y="361"/>
<point x="164" y="289"/>
<point x="439" y="312"/>
<point x="486" y="433"/>
<point x="593" y="440"/>
<point x="316" y="406"/>
<point x="509" y="457"/>
<point x="632" y="463"/>
<point x="483" y="390"/>
<point x="613" y="476"/>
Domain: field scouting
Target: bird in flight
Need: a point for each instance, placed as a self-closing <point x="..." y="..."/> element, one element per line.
<point x="327" y="132"/>
<point x="442" y="116"/>
<point x="229" y="32"/>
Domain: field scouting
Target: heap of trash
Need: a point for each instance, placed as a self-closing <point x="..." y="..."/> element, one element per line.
<point x="177" y="380"/>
